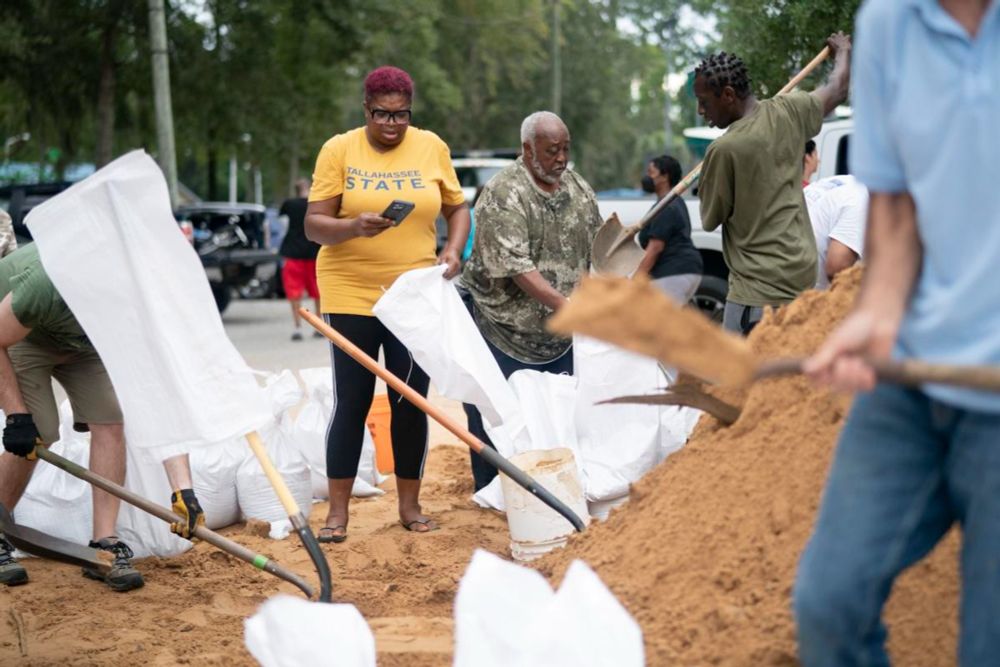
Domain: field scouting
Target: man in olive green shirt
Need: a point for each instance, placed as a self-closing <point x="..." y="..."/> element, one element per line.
<point x="41" y="340"/>
<point x="751" y="181"/>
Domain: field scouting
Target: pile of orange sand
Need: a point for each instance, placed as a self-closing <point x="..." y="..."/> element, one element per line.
<point x="704" y="554"/>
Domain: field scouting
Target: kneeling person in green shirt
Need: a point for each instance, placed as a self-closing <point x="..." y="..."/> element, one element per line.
<point x="41" y="340"/>
<point x="751" y="181"/>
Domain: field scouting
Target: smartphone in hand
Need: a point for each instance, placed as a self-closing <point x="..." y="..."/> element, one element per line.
<point x="398" y="210"/>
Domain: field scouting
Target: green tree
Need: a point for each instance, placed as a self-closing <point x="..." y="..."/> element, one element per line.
<point x="777" y="37"/>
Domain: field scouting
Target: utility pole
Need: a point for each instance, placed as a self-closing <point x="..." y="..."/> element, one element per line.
<point x="161" y="97"/>
<point x="556" y="61"/>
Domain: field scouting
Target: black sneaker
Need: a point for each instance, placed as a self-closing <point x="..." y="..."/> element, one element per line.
<point x="12" y="573"/>
<point x="297" y="336"/>
<point x="122" y="577"/>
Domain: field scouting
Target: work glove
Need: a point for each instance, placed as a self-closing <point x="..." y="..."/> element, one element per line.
<point x="184" y="504"/>
<point x="20" y="436"/>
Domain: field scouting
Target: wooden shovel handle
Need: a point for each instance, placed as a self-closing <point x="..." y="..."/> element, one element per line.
<point x="273" y="476"/>
<point x="693" y="175"/>
<point x="908" y="372"/>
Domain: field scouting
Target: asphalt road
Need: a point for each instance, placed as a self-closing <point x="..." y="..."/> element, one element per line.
<point x="261" y="330"/>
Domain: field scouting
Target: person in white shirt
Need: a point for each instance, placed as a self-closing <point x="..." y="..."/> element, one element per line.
<point x="838" y="207"/>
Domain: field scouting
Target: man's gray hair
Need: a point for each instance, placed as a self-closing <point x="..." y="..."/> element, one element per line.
<point x="529" y="126"/>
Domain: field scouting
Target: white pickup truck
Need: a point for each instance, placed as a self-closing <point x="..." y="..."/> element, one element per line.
<point x="832" y="143"/>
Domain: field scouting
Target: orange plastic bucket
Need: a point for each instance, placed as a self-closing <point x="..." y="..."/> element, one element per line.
<point x="379" y="419"/>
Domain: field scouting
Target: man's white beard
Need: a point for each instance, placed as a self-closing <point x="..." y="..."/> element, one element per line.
<point x="539" y="172"/>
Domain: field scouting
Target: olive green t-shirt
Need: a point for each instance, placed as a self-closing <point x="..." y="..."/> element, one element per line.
<point x="36" y="303"/>
<point x="751" y="184"/>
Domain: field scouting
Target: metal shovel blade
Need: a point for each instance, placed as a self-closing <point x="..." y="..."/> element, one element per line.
<point x="47" y="546"/>
<point x="684" y="395"/>
<point x="614" y="250"/>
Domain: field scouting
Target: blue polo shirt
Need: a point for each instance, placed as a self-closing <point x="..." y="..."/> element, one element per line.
<point x="926" y="99"/>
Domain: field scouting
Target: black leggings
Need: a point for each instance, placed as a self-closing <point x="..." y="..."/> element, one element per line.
<point x="353" y="388"/>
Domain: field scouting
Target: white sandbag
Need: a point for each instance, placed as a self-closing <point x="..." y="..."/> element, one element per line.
<point x="256" y="496"/>
<point x="213" y="472"/>
<point x="506" y="614"/>
<point x="590" y="626"/>
<point x="618" y="443"/>
<point x="425" y="312"/>
<point x="546" y="408"/>
<point x="282" y="390"/>
<point x="288" y="631"/>
<point x="308" y="434"/>
<point x="113" y="250"/>
<point x="54" y="501"/>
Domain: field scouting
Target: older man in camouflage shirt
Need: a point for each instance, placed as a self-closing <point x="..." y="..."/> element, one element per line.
<point x="535" y="221"/>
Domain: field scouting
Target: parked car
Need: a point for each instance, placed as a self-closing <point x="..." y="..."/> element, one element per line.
<point x="19" y="199"/>
<point x="474" y="169"/>
<point x="833" y="143"/>
<point x="231" y="240"/>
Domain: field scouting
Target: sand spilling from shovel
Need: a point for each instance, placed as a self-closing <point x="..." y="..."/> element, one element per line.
<point x="656" y="326"/>
<point x="704" y="554"/>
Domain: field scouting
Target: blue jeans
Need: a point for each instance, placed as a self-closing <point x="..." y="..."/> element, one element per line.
<point x="906" y="468"/>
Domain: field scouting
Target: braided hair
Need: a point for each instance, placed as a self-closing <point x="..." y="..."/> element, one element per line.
<point x="725" y="69"/>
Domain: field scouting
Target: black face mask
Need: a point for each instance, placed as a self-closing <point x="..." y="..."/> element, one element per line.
<point x="647" y="184"/>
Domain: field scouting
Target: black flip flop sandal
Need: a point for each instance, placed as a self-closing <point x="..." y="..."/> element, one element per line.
<point x="331" y="538"/>
<point x="431" y="526"/>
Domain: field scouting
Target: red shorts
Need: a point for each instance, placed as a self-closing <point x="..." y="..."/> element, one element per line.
<point x="298" y="276"/>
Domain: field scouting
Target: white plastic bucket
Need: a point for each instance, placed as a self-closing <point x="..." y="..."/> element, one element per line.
<point x="535" y="528"/>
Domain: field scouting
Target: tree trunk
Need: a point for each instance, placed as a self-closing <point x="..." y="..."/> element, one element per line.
<point x="106" y="95"/>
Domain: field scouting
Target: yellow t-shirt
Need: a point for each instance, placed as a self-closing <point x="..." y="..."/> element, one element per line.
<point x="353" y="274"/>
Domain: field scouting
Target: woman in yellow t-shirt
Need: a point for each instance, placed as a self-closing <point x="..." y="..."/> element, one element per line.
<point x="358" y="175"/>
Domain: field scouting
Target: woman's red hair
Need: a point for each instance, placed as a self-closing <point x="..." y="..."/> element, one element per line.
<point x="387" y="80"/>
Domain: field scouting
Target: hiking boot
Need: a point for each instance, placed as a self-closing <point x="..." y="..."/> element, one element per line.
<point x="12" y="573"/>
<point x="122" y="576"/>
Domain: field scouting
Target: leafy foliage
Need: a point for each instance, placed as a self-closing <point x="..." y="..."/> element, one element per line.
<point x="775" y="38"/>
<point x="268" y="81"/>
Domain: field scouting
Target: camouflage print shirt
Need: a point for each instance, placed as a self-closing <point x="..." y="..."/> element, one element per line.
<point x="520" y="228"/>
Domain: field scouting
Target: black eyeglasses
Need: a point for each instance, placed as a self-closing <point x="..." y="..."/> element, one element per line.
<point x="381" y="116"/>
